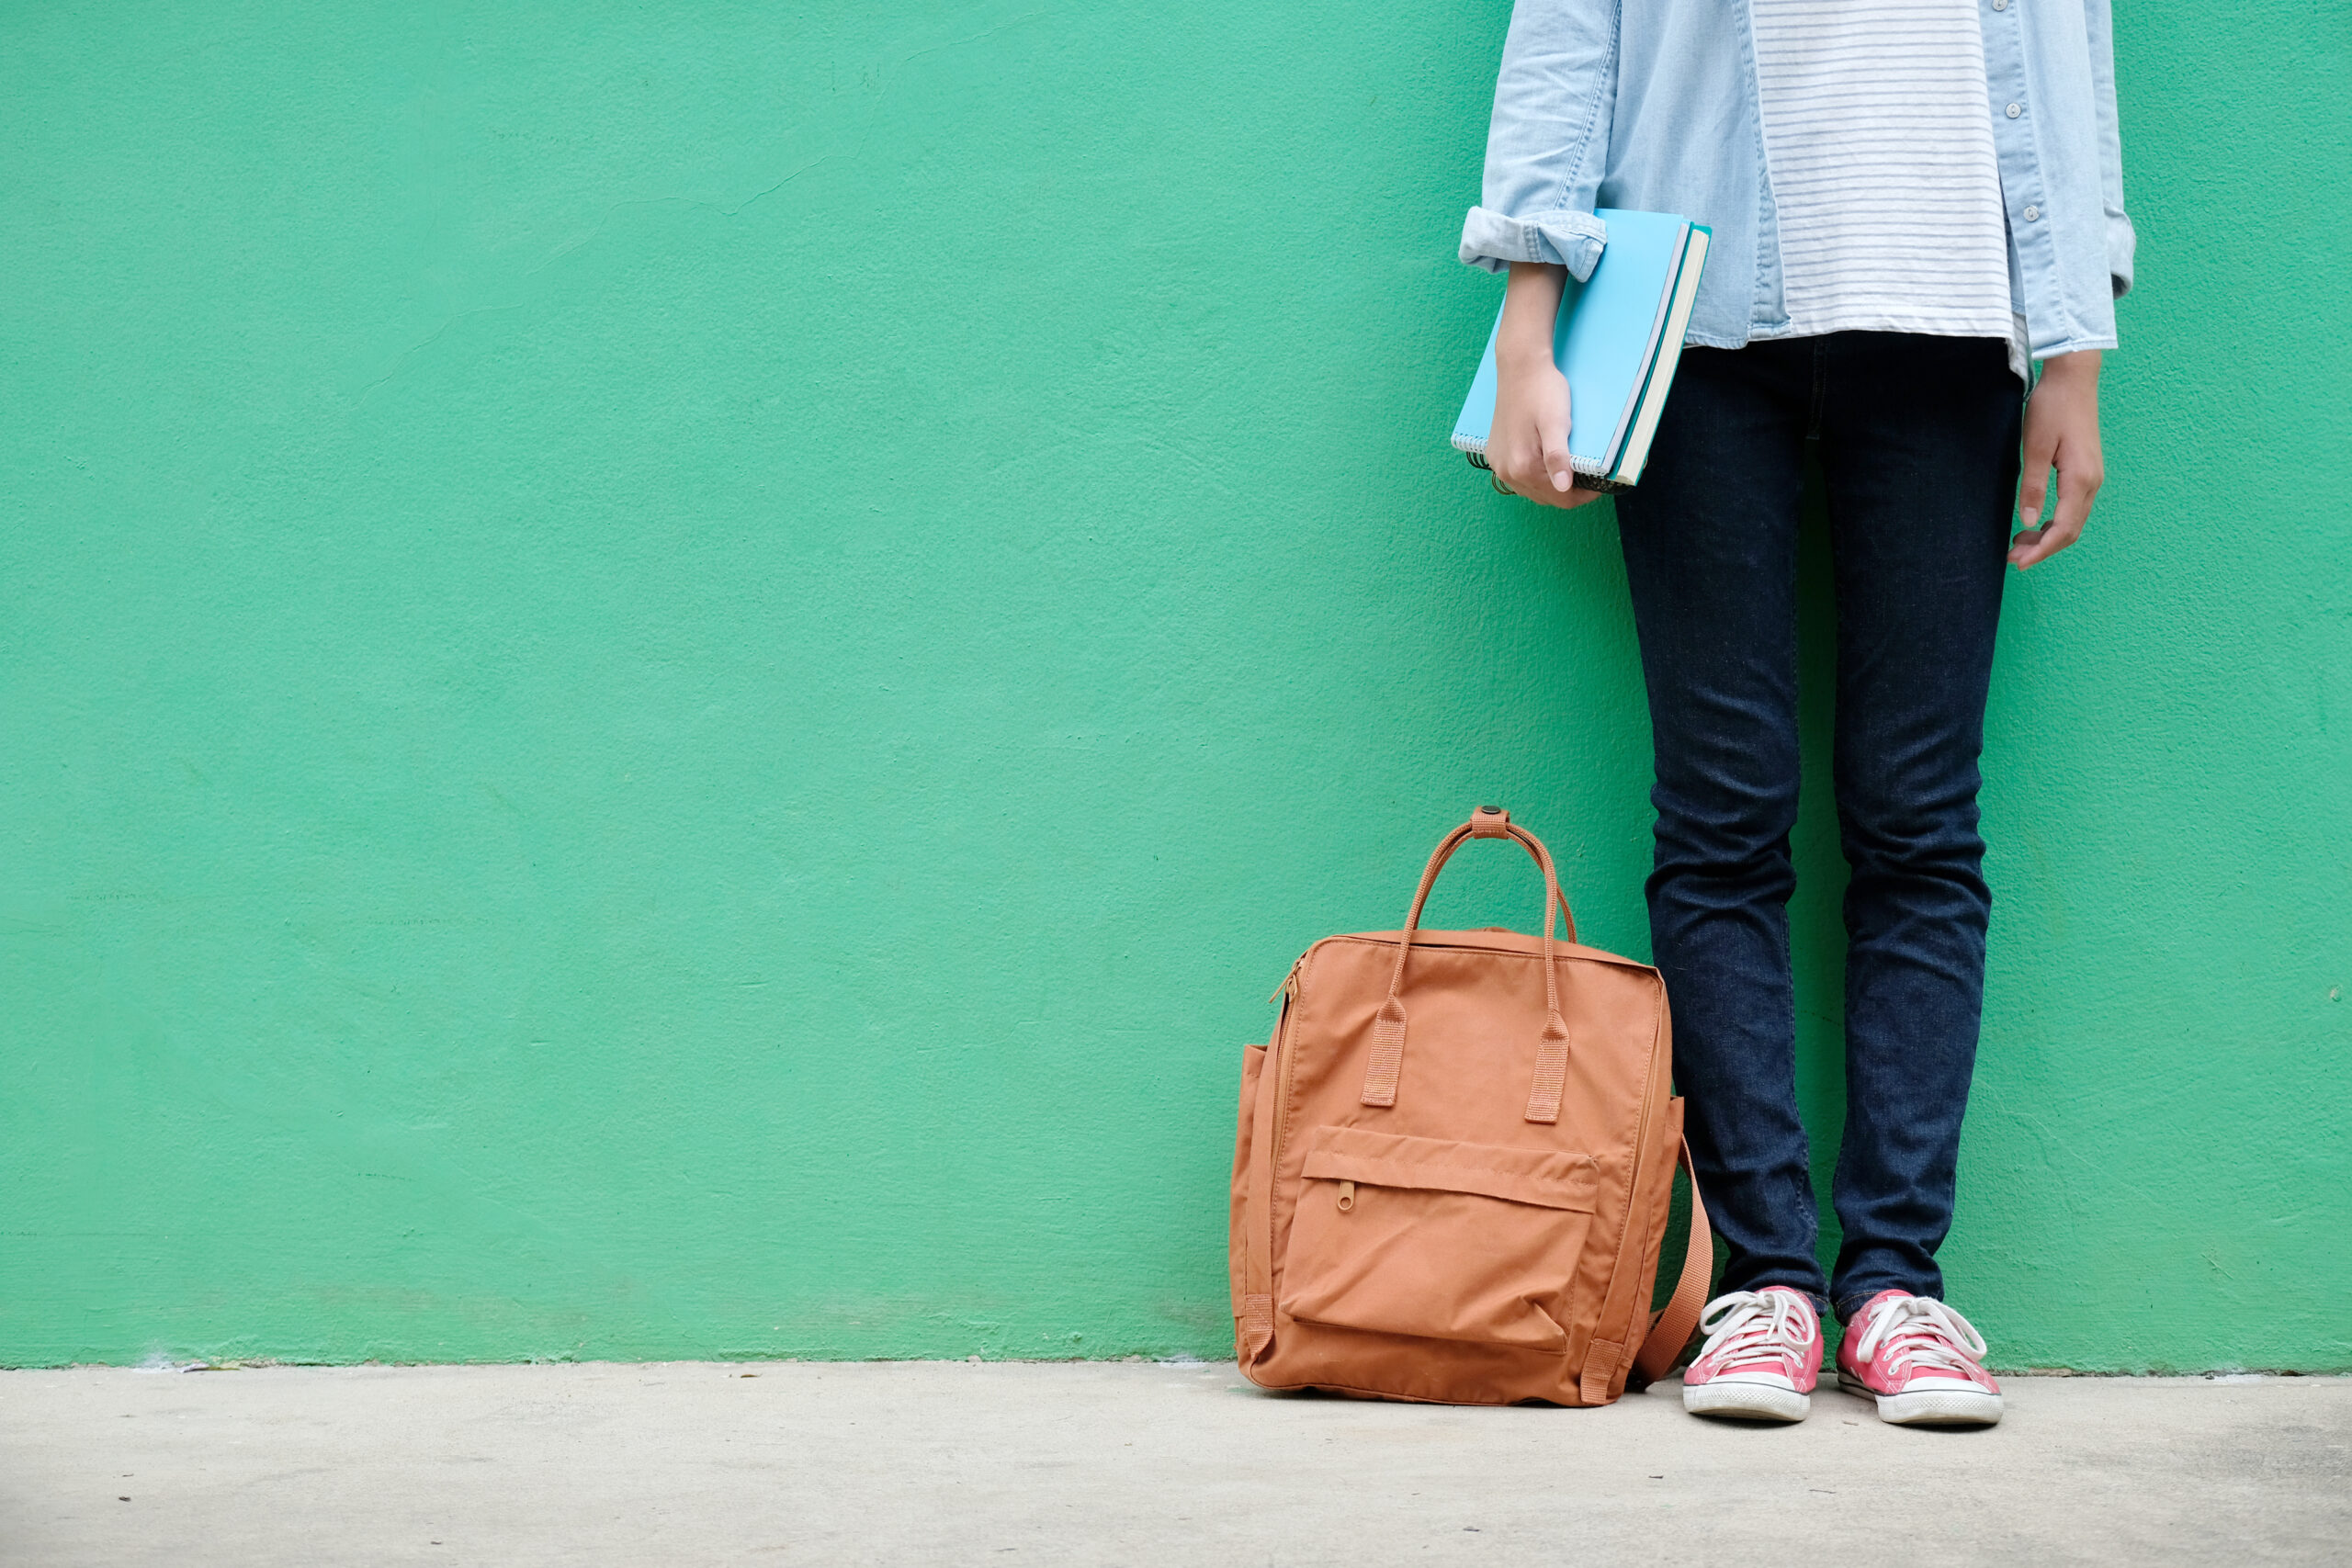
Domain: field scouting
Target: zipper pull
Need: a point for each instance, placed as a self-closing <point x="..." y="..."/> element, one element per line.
<point x="1347" y="1196"/>
<point x="1289" y="988"/>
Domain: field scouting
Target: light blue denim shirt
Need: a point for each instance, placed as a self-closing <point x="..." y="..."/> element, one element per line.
<point x="1651" y="106"/>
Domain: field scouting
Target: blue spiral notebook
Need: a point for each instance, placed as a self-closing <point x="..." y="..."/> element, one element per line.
<point x="1619" y="337"/>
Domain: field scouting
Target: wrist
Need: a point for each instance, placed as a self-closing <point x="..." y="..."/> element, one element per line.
<point x="1531" y="313"/>
<point x="1515" y="361"/>
<point x="2078" y="366"/>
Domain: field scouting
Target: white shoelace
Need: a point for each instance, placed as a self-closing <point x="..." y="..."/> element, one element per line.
<point x="1757" y="1322"/>
<point x="1922" y="1332"/>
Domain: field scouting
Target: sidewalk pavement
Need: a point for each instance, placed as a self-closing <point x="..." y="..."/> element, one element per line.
<point x="1136" y="1462"/>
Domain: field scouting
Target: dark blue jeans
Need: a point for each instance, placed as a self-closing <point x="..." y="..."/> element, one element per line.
<point x="1917" y="438"/>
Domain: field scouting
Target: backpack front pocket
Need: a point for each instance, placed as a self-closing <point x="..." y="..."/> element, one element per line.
<point x="1437" y="1239"/>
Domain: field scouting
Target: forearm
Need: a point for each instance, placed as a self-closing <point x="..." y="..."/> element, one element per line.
<point x="1531" y="312"/>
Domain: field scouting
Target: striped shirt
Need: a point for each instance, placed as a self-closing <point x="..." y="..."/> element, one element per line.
<point x="1878" y="137"/>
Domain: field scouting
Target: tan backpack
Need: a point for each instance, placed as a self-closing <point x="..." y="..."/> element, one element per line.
<point x="1452" y="1173"/>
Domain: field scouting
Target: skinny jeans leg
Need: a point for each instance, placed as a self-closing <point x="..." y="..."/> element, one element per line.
<point x="1917" y="438"/>
<point x="1710" y="540"/>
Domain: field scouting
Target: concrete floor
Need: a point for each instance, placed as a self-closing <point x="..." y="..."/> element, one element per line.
<point x="1126" y="1463"/>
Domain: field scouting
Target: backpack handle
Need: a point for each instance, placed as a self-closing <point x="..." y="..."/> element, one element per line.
<point x="1388" y="1025"/>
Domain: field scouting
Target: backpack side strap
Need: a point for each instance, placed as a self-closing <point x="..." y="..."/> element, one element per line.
<point x="1671" y="1330"/>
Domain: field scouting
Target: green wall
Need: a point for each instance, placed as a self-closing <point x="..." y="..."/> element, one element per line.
<point x="671" y="677"/>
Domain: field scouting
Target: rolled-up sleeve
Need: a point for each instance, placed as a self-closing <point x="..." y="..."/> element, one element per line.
<point x="1548" y="141"/>
<point x="2098" y="23"/>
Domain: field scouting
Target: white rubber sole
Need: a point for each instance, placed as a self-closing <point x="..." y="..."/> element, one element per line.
<point x="1931" y="1408"/>
<point x="1745" y="1401"/>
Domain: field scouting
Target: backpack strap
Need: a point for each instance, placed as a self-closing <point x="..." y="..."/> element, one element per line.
<point x="1671" y="1330"/>
<point x="1386" y="1064"/>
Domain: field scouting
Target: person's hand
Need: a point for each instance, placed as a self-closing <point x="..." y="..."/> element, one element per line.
<point x="2061" y="431"/>
<point x="1526" y="445"/>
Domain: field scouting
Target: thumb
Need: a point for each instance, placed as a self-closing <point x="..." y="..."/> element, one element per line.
<point x="2033" y="484"/>
<point x="1556" y="459"/>
<point x="2032" y="491"/>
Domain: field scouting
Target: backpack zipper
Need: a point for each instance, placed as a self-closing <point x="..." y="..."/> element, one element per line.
<point x="1286" y="993"/>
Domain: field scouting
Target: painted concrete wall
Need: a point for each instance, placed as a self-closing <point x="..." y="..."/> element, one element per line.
<point x="671" y="677"/>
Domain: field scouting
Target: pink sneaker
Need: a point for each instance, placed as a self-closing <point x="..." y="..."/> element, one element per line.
<point x="1924" y="1361"/>
<point x="1762" y="1354"/>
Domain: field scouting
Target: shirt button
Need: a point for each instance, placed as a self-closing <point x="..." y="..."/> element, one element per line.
<point x="2015" y="110"/>
<point x="2031" y="213"/>
<point x="2000" y="5"/>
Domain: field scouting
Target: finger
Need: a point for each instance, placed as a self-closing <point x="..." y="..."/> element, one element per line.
<point x="1522" y="474"/>
<point x="1514" y="472"/>
<point x="1542" y="493"/>
<point x="2078" y="482"/>
<point x="2038" y="545"/>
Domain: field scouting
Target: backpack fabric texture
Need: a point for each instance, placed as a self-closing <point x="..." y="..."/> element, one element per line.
<point x="1455" y="1163"/>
